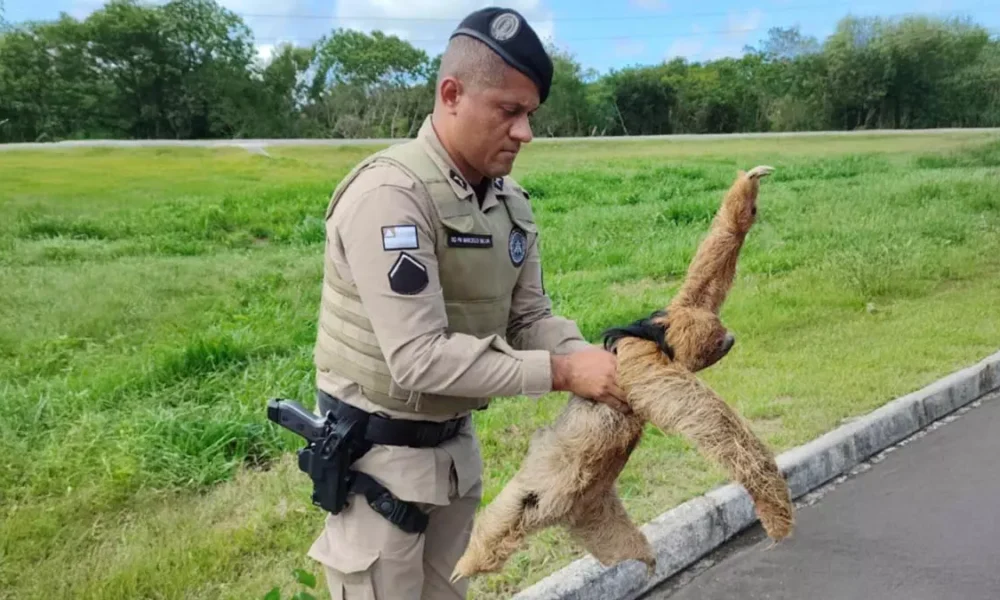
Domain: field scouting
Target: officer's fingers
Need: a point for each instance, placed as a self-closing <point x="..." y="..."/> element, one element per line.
<point x="617" y="402"/>
<point x="618" y="393"/>
<point x="623" y="398"/>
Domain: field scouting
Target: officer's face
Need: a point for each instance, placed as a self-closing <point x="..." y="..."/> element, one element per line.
<point x="494" y="123"/>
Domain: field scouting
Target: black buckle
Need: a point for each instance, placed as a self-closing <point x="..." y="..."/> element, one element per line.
<point x="402" y="514"/>
<point x="451" y="428"/>
<point x="428" y="434"/>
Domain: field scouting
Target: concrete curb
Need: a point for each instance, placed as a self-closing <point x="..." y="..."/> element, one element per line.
<point x="686" y="533"/>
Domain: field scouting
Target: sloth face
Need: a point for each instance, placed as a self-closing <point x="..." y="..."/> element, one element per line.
<point x="691" y="337"/>
<point x="697" y="337"/>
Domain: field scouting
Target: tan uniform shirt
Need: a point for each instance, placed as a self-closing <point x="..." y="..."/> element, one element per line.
<point x="412" y="329"/>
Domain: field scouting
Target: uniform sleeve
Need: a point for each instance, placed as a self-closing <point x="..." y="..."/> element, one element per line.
<point x="386" y="235"/>
<point x="532" y="325"/>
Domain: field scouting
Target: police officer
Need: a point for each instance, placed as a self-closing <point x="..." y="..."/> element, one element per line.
<point x="432" y="303"/>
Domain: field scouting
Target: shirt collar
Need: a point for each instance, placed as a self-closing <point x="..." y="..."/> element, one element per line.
<point x="440" y="156"/>
<point x="462" y="188"/>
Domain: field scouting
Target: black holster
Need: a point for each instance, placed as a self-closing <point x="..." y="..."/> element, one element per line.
<point x="342" y="436"/>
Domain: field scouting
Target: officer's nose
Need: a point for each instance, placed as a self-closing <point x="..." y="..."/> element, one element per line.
<point x="522" y="130"/>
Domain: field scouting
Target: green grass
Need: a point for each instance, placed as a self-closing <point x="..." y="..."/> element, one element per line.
<point x="154" y="299"/>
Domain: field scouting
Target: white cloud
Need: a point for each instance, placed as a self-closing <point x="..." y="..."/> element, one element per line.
<point x="717" y="51"/>
<point x="688" y="48"/>
<point x="740" y="25"/>
<point x="79" y="9"/>
<point x="274" y="22"/>
<point x="428" y="23"/>
<point x="264" y="51"/>
<point x="730" y="43"/>
<point x="626" y="47"/>
<point x="425" y="23"/>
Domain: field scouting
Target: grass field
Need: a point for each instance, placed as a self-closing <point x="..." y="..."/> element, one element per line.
<point x="154" y="299"/>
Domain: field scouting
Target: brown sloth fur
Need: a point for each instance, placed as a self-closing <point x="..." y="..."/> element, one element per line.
<point x="568" y="476"/>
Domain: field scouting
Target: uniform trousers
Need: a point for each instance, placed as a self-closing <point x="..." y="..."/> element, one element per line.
<point x="366" y="557"/>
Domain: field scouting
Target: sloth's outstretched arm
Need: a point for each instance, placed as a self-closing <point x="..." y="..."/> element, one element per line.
<point x="711" y="272"/>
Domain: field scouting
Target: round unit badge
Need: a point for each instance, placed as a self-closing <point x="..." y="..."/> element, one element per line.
<point x="504" y="26"/>
<point x="517" y="246"/>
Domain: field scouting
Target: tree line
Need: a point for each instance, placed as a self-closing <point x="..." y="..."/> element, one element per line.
<point x="189" y="69"/>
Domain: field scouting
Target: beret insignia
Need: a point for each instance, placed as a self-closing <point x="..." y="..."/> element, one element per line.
<point x="504" y="26"/>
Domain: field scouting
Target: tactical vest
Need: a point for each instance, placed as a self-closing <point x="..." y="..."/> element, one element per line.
<point x="477" y="283"/>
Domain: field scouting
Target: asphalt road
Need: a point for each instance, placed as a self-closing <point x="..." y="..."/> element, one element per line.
<point x="921" y="524"/>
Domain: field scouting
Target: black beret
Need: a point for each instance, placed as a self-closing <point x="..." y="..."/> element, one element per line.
<point x="509" y="35"/>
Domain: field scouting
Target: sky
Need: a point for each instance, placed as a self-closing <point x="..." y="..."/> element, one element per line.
<point x="600" y="35"/>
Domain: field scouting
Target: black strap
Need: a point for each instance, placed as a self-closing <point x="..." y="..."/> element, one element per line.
<point x="393" y="432"/>
<point x="378" y="429"/>
<point x="404" y="515"/>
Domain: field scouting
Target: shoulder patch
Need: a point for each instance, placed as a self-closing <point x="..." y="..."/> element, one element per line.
<point x="399" y="237"/>
<point x="407" y="276"/>
<point x="517" y="245"/>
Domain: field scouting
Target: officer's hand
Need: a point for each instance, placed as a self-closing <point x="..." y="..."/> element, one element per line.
<point x="590" y="374"/>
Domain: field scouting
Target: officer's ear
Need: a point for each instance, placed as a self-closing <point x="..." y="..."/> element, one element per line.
<point x="451" y="90"/>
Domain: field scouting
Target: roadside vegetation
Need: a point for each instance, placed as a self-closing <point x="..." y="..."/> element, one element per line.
<point x="154" y="299"/>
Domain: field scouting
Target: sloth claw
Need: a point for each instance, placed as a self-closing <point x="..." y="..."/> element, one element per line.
<point x="760" y="171"/>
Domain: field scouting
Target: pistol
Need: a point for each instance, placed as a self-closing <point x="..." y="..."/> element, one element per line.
<point x="331" y="448"/>
<point x="294" y="417"/>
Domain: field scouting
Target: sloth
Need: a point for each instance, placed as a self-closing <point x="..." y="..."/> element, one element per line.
<point x="568" y="476"/>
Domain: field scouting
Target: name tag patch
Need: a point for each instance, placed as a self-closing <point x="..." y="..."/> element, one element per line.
<point x="399" y="237"/>
<point x="470" y="240"/>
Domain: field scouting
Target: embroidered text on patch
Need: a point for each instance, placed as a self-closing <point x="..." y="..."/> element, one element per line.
<point x="470" y="240"/>
<point x="399" y="237"/>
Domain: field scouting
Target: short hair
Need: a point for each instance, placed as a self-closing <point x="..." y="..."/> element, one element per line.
<point x="473" y="62"/>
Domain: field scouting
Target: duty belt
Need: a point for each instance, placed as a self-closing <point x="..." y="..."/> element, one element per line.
<point x="391" y="432"/>
<point x="343" y="435"/>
